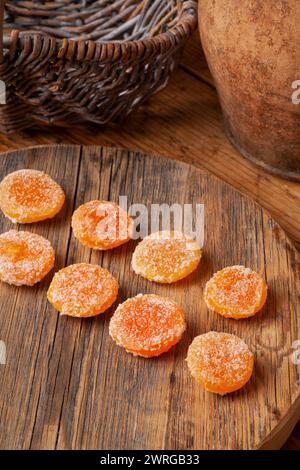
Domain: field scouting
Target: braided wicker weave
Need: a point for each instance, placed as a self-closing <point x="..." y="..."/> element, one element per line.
<point x="68" y="61"/>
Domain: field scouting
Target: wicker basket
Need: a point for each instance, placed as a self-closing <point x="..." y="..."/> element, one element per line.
<point x="69" y="61"/>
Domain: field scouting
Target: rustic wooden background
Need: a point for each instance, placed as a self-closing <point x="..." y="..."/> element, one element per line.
<point x="184" y="122"/>
<point x="67" y="386"/>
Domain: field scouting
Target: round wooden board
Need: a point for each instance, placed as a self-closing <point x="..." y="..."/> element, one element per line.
<point x="66" y="385"/>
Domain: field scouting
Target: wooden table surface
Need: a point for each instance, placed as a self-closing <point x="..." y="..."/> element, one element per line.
<point x="184" y="122"/>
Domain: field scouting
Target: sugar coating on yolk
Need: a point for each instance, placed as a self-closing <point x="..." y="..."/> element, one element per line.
<point x="28" y="196"/>
<point x="166" y="256"/>
<point x="221" y="362"/>
<point x="236" y="292"/>
<point x="25" y="258"/>
<point x="147" y="325"/>
<point x="102" y="225"/>
<point x="82" y="290"/>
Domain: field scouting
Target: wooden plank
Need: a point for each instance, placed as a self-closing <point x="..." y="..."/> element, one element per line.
<point x="194" y="61"/>
<point x="25" y="324"/>
<point x="66" y="385"/>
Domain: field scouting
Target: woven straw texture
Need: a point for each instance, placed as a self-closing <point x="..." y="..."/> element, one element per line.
<point x="68" y="61"/>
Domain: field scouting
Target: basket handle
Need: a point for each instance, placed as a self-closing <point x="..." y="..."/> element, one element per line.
<point x="2" y="6"/>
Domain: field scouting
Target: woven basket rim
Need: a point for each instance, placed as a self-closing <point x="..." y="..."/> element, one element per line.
<point x="188" y="19"/>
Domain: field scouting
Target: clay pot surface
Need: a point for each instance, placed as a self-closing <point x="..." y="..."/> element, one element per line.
<point x="253" y="51"/>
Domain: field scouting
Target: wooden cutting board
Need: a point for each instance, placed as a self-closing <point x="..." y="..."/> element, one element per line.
<point x="66" y="385"/>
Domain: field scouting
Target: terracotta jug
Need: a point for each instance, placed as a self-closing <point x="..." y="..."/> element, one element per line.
<point x="253" y="51"/>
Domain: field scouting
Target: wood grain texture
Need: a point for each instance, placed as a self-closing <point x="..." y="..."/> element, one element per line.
<point x="66" y="385"/>
<point x="184" y="122"/>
